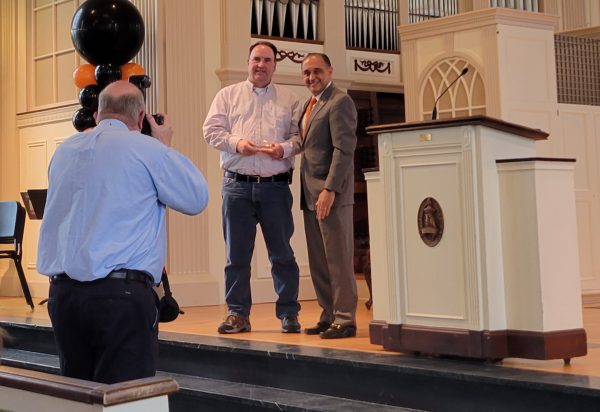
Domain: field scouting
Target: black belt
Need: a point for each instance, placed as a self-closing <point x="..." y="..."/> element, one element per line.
<point x="238" y="177"/>
<point x="125" y="274"/>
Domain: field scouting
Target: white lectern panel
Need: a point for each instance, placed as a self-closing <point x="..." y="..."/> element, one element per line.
<point x="435" y="276"/>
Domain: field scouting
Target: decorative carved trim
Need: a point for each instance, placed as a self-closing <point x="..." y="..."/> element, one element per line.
<point x="485" y="344"/>
<point x="293" y="55"/>
<point x="366" y="65"/>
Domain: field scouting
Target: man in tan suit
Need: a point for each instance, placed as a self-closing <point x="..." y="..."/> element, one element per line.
<point x="328" y="129"/>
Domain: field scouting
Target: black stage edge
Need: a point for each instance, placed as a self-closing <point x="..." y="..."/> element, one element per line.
<point x="230" y="374"/>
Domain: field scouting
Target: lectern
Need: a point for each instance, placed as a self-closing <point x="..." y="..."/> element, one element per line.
<point x="473" y="242"/>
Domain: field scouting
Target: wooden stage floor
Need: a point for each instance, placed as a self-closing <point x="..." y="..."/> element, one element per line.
<point x="265" y="327"/>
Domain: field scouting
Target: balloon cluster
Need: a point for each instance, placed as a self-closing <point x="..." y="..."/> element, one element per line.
<point x="108" y="34"/>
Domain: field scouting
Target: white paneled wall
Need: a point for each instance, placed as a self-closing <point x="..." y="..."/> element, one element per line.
<point x="576" y="138"/>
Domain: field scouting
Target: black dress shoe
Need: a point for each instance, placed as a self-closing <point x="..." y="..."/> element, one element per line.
<point x="338" y="331"/>
<point x="290" y="324"/>
<point x="321" y="327"/>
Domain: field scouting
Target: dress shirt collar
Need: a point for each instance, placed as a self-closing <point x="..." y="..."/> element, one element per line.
<point x="105" y="123"/>
<point x="259" y="90"/>
<point x="318" y="97"/>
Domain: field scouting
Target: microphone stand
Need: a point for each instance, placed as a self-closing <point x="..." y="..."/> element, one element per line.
<point x="434" y="112"/>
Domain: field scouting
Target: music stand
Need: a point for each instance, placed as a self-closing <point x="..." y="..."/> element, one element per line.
<point x="35" y="202"/>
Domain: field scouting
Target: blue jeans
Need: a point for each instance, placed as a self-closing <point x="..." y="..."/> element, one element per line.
<point x="244" y="206"/>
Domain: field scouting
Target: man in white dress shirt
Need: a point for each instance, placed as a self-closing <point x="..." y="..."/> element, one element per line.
<point x="254" y="124"/>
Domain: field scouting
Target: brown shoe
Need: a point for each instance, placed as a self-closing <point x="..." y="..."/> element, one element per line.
<point x="336" y="331"/>
<point x="234" y="324"/>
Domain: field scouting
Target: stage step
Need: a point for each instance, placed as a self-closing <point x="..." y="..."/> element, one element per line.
<point x="215" y="394"/>
<point x="37" y="361"/>
<point x="196" y="391"/>
<point x="421" y="383"/>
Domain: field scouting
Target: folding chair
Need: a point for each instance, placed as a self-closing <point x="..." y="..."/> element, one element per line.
<point x="12" y="225"/>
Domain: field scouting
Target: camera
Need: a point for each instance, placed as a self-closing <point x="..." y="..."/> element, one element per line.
<point x="146" y="125"/>
<point x="143" y="82"/>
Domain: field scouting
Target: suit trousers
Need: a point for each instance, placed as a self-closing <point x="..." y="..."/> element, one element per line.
<point x="106" y="330"/>
<point x="330" y="257"/>
<point x="268" y="204"/>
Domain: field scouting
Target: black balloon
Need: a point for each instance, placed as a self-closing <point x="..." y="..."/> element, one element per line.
<point x="88" y="97"/>
<point x="107" y="31"/>
<point x="83" y="119"/>
<point x="107" y="73"/>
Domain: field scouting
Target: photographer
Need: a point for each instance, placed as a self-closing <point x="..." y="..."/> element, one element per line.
<point x="103" y="237"/>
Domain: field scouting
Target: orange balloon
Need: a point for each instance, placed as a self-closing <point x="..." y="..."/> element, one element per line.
<point x="131" y="69"/>
<point x="84" y="75"/>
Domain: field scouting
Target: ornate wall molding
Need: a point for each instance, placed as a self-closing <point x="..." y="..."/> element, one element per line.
<point x="47" y="116"/>
<point x="292" y="55"/>
<point x="374" y="66"/>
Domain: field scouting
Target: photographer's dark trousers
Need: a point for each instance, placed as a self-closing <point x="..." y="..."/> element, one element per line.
<point x="106" y="330"/>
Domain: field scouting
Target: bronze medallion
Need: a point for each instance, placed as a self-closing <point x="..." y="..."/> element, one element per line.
<point x="430" y="221"/>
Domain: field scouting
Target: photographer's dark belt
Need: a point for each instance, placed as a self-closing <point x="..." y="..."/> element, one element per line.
<point x="238" y="177"/>
<point x="124" y="274"/>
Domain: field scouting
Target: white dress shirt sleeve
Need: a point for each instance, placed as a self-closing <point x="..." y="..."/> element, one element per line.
<point x="217" y="128"/>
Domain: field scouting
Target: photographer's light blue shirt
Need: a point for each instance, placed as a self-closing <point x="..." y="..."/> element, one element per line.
<point x="108" y="190"/>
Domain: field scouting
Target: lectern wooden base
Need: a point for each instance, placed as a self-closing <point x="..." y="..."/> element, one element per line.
<point x="563" y="344"/>
<point x="473" y="243"/>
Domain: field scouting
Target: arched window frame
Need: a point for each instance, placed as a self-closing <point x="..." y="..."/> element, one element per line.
<point x="470" y="88"/>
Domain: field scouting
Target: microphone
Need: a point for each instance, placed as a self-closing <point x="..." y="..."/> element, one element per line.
<point x="434" y="111"/>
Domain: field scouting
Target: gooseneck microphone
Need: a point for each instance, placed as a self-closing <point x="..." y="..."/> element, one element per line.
<point x="434" y="111"/>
